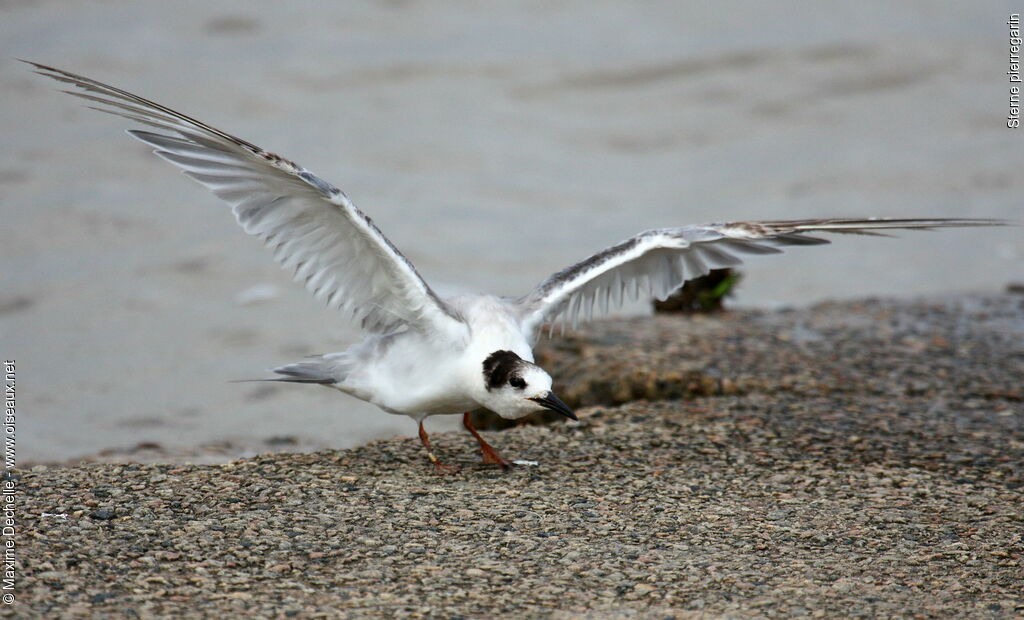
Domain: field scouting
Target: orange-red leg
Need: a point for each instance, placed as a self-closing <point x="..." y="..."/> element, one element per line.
<point x="491" y="455"/>
<point x="439" y="467"/>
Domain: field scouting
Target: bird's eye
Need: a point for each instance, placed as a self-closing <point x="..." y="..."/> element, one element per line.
<point x="517" y="382"/>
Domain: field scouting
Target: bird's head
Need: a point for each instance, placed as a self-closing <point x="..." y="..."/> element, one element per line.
<point x="515" y="387"/>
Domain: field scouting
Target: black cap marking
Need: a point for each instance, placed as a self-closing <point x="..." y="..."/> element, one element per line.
<point x="499" y="366"/>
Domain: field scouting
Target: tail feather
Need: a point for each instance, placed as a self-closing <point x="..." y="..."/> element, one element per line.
<point x="314" y="371"/>
<point x="331" y="370"/>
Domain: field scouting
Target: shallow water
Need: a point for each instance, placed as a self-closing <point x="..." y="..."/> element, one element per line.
<point x="493" y="146"/>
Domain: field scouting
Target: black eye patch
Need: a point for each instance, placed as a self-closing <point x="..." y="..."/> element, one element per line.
<point x="517" y="382"/>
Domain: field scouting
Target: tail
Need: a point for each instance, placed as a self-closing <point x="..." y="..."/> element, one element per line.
<point x="320" y="370"/>
<point x="315" y="371"/>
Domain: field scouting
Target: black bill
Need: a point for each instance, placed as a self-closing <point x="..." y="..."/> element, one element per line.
<point x="554" y="403"/>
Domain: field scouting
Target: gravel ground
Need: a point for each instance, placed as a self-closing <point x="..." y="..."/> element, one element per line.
<point x="847" y="460"/>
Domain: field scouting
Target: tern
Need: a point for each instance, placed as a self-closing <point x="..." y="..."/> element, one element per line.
<point x="424" y="355"/>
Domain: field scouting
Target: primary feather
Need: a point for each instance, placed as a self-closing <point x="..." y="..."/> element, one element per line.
<point x="311" y="226"/>
<point x="659" y="261"/>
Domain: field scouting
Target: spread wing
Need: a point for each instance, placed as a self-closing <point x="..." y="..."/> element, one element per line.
<point x="312" y="227"/>
<point x="660" y="261"/>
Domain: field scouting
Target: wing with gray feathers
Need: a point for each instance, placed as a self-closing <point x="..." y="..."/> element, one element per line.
<point x="312" y="227"/>
<point x="657" y="262"/>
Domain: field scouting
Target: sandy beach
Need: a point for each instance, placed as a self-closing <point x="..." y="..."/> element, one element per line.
<point x="493" y="145"/>
<point x="876" y="471"/>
